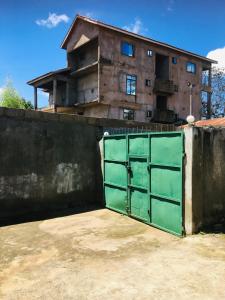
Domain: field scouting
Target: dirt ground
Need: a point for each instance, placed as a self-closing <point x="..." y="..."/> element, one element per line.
<point x="103" y="255"/>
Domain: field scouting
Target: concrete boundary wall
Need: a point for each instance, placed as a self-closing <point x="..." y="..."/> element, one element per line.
<point x="47" y="163"/>
<point x="99" y="122"/>
<point x="204" y="198"/>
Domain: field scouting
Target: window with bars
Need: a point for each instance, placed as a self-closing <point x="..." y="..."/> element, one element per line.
<point x="128" y="114"/>
<point x="131" y="83"/>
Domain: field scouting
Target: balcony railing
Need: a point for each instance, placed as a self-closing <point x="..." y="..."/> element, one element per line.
<point x="164" y="116"/>
<point x="164" y="86"/>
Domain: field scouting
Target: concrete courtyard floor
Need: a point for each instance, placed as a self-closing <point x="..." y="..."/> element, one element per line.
<point x="103" y="255"/>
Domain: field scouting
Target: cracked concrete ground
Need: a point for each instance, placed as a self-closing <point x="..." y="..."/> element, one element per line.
<point x="103" y="255"/>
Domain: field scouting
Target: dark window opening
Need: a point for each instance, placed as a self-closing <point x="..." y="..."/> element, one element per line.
<point x="191" y="67"/>
<point x="127" y="49"/>
<point x="148" y="114"/>
<point x="162" y="67"/>
<point x="82" y="56"/>
<point x="128" y="114"/>
<point x="131" y="84"/>
<point x="174" y="60"/>
<point x="149" y="53"/>
<point x="161" y="102"/>
<point x="175" y="88"/>
<point x="148" y="82"/>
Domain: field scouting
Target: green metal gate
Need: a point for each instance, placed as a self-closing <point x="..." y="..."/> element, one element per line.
<point x="143" y="177"/>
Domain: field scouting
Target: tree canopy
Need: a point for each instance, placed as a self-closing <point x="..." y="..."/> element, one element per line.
<point x="10" y="98"/>
<point x="217" y="108"/>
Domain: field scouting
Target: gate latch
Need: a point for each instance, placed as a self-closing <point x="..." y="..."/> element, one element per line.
<point x="128" y="169"/>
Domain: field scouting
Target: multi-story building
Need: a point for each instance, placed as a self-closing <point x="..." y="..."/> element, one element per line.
<point x="113" y="73"/>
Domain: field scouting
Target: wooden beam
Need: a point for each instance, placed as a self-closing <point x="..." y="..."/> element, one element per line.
<point x="54" y="93"/>
<point x="35" y="98"/>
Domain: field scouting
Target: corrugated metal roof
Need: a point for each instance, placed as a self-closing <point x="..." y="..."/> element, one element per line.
<point x="98" y="23"/>
<point x="219" y="122"/>
<point x="30" y="82"/>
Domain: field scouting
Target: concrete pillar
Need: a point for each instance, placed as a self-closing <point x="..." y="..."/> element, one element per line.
<point x="99" y="70"/>
<point x="54" y="93"/>
<point x="188" y="191"/>
<point x="35" y="99"/>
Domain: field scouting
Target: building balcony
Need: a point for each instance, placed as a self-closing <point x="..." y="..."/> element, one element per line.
<point x="164" y="86"/>
<point x="164" y="116"/>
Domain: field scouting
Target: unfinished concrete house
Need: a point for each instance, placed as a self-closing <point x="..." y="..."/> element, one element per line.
<point x="113" y="73"/>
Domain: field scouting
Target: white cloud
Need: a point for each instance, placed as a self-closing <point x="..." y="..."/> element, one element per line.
<point x="170" y="5"/>
<point x="219" y="55"/>
<point x="53" y="20"/>
<point x="136" y="27"/>
<point x="88" y="14"/>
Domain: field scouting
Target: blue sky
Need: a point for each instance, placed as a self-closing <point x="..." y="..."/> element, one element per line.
<point x="30" y="40"/>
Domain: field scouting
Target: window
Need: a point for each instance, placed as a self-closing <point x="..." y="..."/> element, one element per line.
<point x="147" y="82"/>
<point x="175" y="88"/>
<point x="149" y="53"/>
<point x="148" y="114"/>
<point x="127" y="49"/>
<point x="191" y="67"/>
<point x="174" y="60"/>
<point x="131" y="84"/>
<point x="128" y="114"/>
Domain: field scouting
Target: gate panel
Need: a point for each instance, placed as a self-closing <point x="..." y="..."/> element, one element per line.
<point x="138" y="174"/>
<point x="138" y="145"/>
<point x="115" y="148"/>
<point x="116" y="199"/>
<point x="164" y="182"/>
<point x="138" y="178"/>
<point x="115" y="173"/>
<point x="139" y="204"/>
<point x="166" y="161"/>
<point x="166" y="215"/>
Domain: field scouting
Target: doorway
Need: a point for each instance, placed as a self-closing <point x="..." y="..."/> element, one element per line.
<point x="162" y="66"/>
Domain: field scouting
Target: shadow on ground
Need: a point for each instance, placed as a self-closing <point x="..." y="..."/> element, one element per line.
<point x="215" y="228"/>
<point x="44" y="215"/>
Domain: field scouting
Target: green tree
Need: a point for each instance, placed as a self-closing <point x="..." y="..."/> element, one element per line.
<point x="217" y="108"/>
<point x="10" y="98"/>
<point x="218" y="92"/>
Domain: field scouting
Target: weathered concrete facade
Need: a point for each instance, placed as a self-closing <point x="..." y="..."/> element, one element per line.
<point x="96" y="79"/>
<point x="204" y="177"/>
<point x="47" y="163"/>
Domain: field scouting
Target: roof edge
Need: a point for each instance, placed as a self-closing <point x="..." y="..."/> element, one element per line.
<point x="138" y="36"/>
<point x="36" y="79"/>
